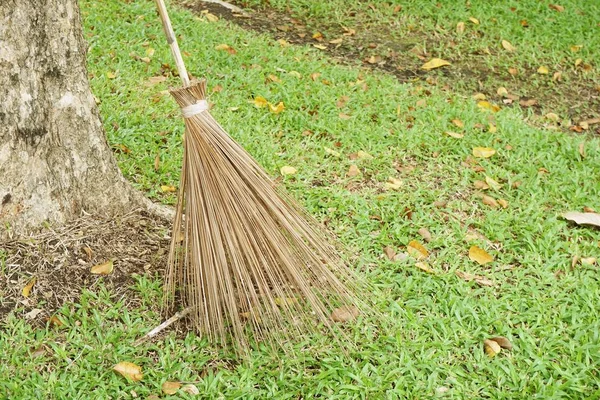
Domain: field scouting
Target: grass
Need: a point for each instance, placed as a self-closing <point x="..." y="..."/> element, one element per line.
<point x="565" y="41"/>
<point x="433" y="348"/>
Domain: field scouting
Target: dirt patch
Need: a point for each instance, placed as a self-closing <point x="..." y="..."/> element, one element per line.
<point x="60" y="260"/>
<point x="376" y="48"/>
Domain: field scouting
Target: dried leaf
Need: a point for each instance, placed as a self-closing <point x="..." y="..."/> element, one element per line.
<point x="502" y="91"/>
<point x="503" y="203"/>
<point x="157" y="162"/>
<point x="344" y="116"/>
<point x="479" y="96"/>
<point x="458" y="123"/>
<point x="103" y="269"/>
<point x="483" y="152"/>
<point x="581" y="149"/>
<point x="285" y="301"/>
<point x="320" y="46"/>
<point x="150" y="51"/>
<point x="491" y="348"/>
<point x="287" y="170"/>
<point x="552" y="117"/>
<point x="344" y="314"/>
<point x="508" y="46"/>
<point x="474" y="20"/>
<point x="129" y="370"/>
<point x="588" y="260"/>
<point x="556" y="7"/>
<point x="283" y="43"/>
<point x="190" y="389"/>
<point x="417" y="250"/>
<point x="503" y="342"/>
<point x="276" y="109"/>
<point x="260" y="101"/>
<point x="460" y="27"/>
<point x="492" y="183"/>
<point x="211" y="17"/>
<point x="170" y="387"/>
<point x="479" y="255"/>
<point x="55" y="321"/>
<point x="425" y="234"/>
<point x="389" y="252"/>
<point x="364" y="155"/>
<point x="543" y="70"/>
<point x="332" y="152"/>
<point x="583" y="218"/>
<point x="153" y="80"/>
<point x="481" y="185"/>
<point x="489" y="201"/>
<point x="486" y="105"/>
<point x="434" y="63"/>
<point x="424" y="267"/>
<point x="480" y="280"/>
<point x="33" y="313"/>
<point x="393" y="183"/>
<point x="168" y="188"/>
<point x="454" y="134"/>
<point x="27" y="289"/>
<point x="111" y="75"/>
<point x="353" y="171"/>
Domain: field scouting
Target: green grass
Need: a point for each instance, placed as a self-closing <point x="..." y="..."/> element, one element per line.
<point x="438" y="321"/>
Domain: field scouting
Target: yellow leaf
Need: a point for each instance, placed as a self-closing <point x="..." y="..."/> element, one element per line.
<point x="474" y="20"/>
<point x="491" y="348"/>
<point x="488" y="106"/>
<point x="103" y="269"/>
<point x="483" y="152"/>
<point x="434" y="63"/>
<point x="344" y="314"/>
<point x="320" y="46"/>
<point x="168" y="188"/>
<point x="111" y="75"/>
<point x="393" y="183"/>
<point x="149" y="51"/>
<point x="287" y="170"/>
<point x="502" y="91"/>
<point x="489" y="201"/>
<point x="503" y="203"/>
<point x="576" y="48"/>
<point x="508" y="46"/>
<point x="588" y="260"/>
<point x="260" y="101"/>
<point x="458" y="123"/>
<point x="543" y="70"/>
<point x="283" y="43"/>
<point x="417" y="250"/>
<point x="454" y="134"/>
<point x="492" y="183"/>
<point x="460" y="27"/>
<point x="353" y="171"/>
<point x="170" y="387"/>
<point x="27" y="289"/>
<point x="332" y="152"/>
<point x="479" y="255"/>
<point x="480" y="185"/>
<point x="552" y="117"/>
<point x="295" y="74"/>
<point x="479" y="96"/>
<point x="424" y="267"/>
<point x="492" y="128"/>
<point x="285" y="301"/>
<point x="211" y="17"/>
<point x="276" y="109"/>
<point x="336" y="41"/>
<point x="129" y="370"/>
<point x="364" y="155"/>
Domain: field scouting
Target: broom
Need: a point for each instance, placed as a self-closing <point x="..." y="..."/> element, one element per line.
<point x="245" y="259"/>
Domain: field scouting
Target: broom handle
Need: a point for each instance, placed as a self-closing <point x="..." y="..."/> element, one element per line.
<point x="172" y="40"/>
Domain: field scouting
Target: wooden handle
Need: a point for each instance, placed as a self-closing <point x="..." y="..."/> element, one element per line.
<point x="172" y="40"/>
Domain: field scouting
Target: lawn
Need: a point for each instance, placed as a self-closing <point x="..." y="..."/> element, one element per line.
<point x="382" y="164"/>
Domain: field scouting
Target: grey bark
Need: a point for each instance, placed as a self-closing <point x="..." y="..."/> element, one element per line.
<point x="55" y="162"/>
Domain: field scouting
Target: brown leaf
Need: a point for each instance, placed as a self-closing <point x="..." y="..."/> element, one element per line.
<point x="129" y="370"/>
<point x="491" y="348"/>
<point x="55" y="321"/>
<point x="502" y="342"/>
<point x="460" y="27"/>
<point x="489" y="201"/>
<point x="417" y="250"/>
<point x="353" y="171"/>
<point x="556" y="7"/>
<point x="344" y="314"/>
<point x="344" y="116"/>
<point x="492" y="183"/>
<point x="513" y="71"/>
<point x="170" y="387"/>
<point x="27" y="289"/>
<point x="503" y="203"/>
<point x="458" y="123"/>
<point x="389" y="252"/>
<point x="480" y="280"/>
<point x="583" y="218"/>
<point x="103" y="269"/>
<point x="153" y="80"/>
<point x="479" y="255"/>
<point x="425" y="234"/>
<point x="525" y="102"/>
<point x="481" y="185"/>
<point x="508" y="46"/>
<point x="157" y="162"/>
<point x="588" y="260"/>
<point x="582" y="149"/>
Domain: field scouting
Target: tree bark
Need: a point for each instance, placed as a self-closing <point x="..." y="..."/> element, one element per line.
<point x="55" y="162"/>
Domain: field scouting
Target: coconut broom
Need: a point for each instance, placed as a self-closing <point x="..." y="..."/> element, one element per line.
<point x="245" y="259"/>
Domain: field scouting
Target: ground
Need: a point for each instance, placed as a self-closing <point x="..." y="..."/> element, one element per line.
<point x="388" y="165"/>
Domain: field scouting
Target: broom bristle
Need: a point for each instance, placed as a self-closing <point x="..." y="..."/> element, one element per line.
<point x="243" y="254"/>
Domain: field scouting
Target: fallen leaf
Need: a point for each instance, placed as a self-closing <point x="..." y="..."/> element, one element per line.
<point x="353" y="171"/>
<point x="317" y="36"/>
<point x="129" y="370"/>
<point x="492" y="128"/>
<point x="434" y="63"/>
<point x="492" y="183"/>
<point x="27" y="289"/>
<point x="283" y="43"/>
<point x="481" y="185"/>
<point x="150" y="51"/>
<point x="190" y="389"/>
<point x="474" y="20"/>
<point x="285" y="301"/>
<point x="501" y="91"/>
<point x="168" y="188"/>
<point x="491" y="348"/>
<point x="320" y="46"/>
<point x="527" y="102"/>
<point x="483" y="152"/>
<point x="111" y="75"/>
<point x="55" y="321"/>
<point x="489" y="201"/>
<point x="513" y="71"/>
<point x="486" y="105"/>
<point x="417" y="250"/>
<point x="424" y="267"/>
<point x="503" y="203"/>
<point x="336" y="41"/>
<point x="153" y="80"/>
<point x="454" y="134"/>
<point x="260" y="101"/>
<point x="543" y="70"/>
<point x="344" y="314"/>
<point x="588" y="260"/>
<point x="103" y="269"/>
<point x="460" y="27"/>
<point x="157" y="162"/>
<point x="556" y="7"/>
<point x="581" y="149"/>
<point x="389" y="252"/>
<point x="287" y="170"/>
<point x="583" y="218"/>
<point x="479" y="255"/>
<point x="393" y="183"/>
<point x="170" y="387"/>
<point x="225" y="47"/>
<point x="557" y="76"/>
<point x="374" y="59"/>
<point x="458" y="123"/>
<point x="425" y="234"/>
<point x="344" y="116"/>
<point x="211" y="17"/>
<point x="276" y="109"/>
<point x="480" y="280"/>
<point x="332" y="152"/>
<point x="364" y="155"/>
<point x="33" y="313"/>
<point x="502" y="342"/>
<point x="508" y="46"/>
<point x="552" y="117"/>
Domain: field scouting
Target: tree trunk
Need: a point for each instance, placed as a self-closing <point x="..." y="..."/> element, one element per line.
<point x="55" y="162"/>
